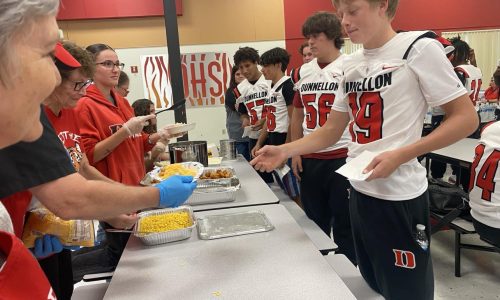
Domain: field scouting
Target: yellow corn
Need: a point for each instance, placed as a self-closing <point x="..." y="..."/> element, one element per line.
<point x="165" y="222"/>
<point x="175" y="169"/>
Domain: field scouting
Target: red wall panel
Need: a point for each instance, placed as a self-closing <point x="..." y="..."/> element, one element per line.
<point x="442" y="15"/>
<point x="106" y="9"/>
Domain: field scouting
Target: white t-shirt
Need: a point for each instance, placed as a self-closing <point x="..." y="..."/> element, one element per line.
<point x="319" y="89"/>
<point x="276" y="107"/>
<point x="387" y="98"/>
<point x="485" y="194"/>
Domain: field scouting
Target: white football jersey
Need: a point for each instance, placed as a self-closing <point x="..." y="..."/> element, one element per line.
<point x="473" y="80"/>
<point x="276" y="107"/>
<point x="387" y="97"/>
<point x="485" y="194"/>
<point x="253" y="96"/>
<point x="319" y="89"/>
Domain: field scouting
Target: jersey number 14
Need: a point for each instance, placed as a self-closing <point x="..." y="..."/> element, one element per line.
<point x="485" y="178"/>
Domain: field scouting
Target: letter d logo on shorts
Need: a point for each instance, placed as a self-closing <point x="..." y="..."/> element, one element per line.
<point x="404" y="259"/>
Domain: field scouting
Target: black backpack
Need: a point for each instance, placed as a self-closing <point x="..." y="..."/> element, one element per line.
<point x="445" y="198"/>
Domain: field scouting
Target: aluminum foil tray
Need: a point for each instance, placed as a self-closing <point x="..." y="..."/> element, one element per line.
<point x="226" y="225"/>
<point x="215" y="190"/>
<point x="167" y="236"/>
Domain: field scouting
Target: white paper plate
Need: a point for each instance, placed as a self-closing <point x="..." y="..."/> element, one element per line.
<point x="196" y="166"/>
<point x="175" y="129"/>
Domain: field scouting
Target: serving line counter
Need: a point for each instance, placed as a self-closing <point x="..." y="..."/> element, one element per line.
<point x="253" y="191"/>
<point x="279" y="264"/>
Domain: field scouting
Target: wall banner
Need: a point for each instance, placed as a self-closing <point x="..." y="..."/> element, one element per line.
<point x="205" y="77"/>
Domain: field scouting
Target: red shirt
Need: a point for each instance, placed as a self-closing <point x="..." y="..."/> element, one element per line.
<point x="21" y="276"/>
<point x="16" y="205"/>
<point x="66" y="127"/>
<point x="98" y="119"/>
<point x="491" y="93"/>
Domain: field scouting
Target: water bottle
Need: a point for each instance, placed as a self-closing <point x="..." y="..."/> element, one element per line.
<point x="421" y="237"/>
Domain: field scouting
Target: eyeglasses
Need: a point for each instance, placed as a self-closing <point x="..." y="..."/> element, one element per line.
<point x="108" y="64"/>
<point x="79" y="85"/>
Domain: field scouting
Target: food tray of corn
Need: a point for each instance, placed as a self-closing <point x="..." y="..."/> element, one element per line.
<point x="165" y="225"/>
<point x="163" y="171"/>
<point x="215" y="185"/>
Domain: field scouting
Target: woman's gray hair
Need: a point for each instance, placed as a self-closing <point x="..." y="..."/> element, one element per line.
<point x="14" y="15"/>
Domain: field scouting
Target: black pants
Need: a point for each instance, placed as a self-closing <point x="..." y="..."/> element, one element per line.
<point x="59" y="272"/>
<point x="388" y="256"/>
<point x="103" y="258"/>
<point x="276" y="138"/>
<point x="490" y="234"/>
<point x="324" y="195"/>
<point x="267" y="177"/>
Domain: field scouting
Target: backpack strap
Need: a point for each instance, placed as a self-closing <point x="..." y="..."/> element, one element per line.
<point x="428" y="34"/>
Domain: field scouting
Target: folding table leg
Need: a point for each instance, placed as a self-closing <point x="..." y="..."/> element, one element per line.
<point x="457" y="253"/>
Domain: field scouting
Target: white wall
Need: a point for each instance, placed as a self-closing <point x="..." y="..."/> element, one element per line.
<point x="210" y="121"/>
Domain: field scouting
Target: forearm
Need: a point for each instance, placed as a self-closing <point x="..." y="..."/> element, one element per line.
<point x="263" y="136"/>
<point x="73" y="197"/>
<point x="245" y="120"/>
<point x="321" y="138"/>
<point x="106" y="146"/>
<point x="91" y="173"/>
<point x="296" y="124"/>
<point x="290" y="109"/>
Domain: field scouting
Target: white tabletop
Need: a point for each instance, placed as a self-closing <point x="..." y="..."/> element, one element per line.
<point x="463" y="150"/>
<point x="254" y="191"/>
<point x="279" y="264"/>
<point x="318" y="237"/>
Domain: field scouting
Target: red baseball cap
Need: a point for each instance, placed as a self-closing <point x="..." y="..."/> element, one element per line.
<point x="63" y="56"/>
<point x="448" y="47"/>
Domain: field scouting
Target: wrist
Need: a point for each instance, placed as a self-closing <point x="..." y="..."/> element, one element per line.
<point x="287" y="150"/>
<point x="125" y="131"/>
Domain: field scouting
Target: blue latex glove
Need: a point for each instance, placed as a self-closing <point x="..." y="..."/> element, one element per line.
<point x="175" y="190"/>
<point x="46" y="246"/>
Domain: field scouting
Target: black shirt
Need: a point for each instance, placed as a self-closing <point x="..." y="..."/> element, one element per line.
<point x="28" y="164"/>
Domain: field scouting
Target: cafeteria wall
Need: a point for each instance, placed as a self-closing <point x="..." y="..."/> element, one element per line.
<point x="205" y="26"/>
<point x="442" y="15"/>
<point x="225" y="25"/>
<point x="210" y="121"/>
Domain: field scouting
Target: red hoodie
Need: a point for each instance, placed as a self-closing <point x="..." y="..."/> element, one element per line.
<point x="98" y="120"/>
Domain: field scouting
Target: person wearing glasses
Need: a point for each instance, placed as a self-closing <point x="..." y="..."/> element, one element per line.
<point x="113" y="138"/>
<point x="75" y="78"/>
<point x="33" y="160"/>
<point x="123" y="84"/>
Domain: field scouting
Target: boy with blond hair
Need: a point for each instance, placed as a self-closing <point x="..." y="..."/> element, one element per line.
<point x="388" y="87"/>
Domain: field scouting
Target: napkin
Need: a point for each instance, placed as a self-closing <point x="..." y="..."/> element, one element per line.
<point x="353" y="170"/>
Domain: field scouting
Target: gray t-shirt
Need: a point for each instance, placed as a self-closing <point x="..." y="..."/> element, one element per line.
<point x="233" y="121"/>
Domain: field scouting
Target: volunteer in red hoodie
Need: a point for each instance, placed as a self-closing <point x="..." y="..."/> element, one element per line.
<point x="112" y="136"/>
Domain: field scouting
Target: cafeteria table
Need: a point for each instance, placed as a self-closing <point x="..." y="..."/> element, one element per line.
<point x="460" y="154"/>
<point x="279" y="264"/>
<point x="254" y="191"/>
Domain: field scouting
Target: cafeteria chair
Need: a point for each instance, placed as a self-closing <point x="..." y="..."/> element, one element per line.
<point x="352" y="278"/>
